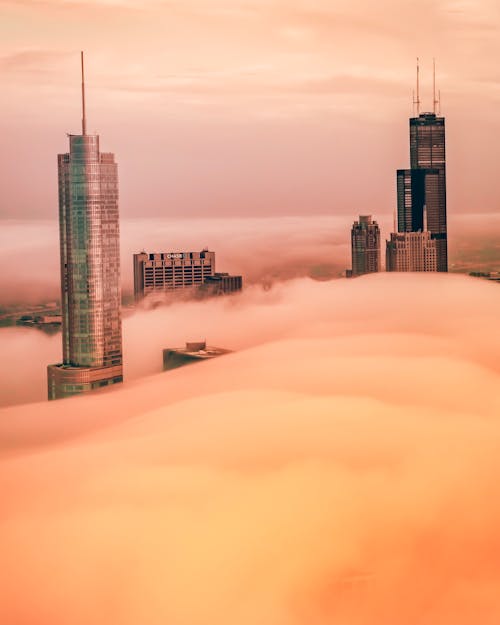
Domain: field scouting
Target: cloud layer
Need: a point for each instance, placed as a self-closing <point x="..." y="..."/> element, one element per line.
<point x="339" y="468"/>
<point x="263" y="250"/>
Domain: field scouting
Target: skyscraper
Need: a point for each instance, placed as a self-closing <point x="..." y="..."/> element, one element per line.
<point x="90" y="268"/>
<point x="365" y="246"/>
<point x="422" y="188"/>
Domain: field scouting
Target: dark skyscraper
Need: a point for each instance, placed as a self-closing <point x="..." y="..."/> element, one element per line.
<point x="365" y="246"/>
<point x="90" y="268"/>
<point x="421" y="190"/>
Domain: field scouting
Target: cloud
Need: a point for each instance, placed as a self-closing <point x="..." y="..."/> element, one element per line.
<point x="339" y="468"/>
<point x="31" y="60"/>
<point x="262" y="249"/>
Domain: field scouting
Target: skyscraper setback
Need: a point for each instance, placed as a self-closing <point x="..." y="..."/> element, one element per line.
<point x="421" y="190"/>
<point x="90" y="268"/>
<point x="411" y="251"/>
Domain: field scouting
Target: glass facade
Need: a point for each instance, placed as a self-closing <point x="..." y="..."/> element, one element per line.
<point x="90" y="269"/>
<point x="427" y="142"/>
<point x="365" y="246"/>
<point x="421" y="190"/>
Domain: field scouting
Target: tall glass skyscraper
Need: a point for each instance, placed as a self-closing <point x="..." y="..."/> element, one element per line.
<point x="90" y="268"/>
<point x="421" y="190"/>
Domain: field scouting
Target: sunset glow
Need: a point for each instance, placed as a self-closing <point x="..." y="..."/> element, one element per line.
<point x="249" y="304"/>
<point x="248" y="108"/>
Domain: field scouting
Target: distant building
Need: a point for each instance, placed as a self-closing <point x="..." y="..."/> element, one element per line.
<point x="494" y="276"/>
<point x="422" y="188"/>
<point x="222" y="284"/>
<point x="411" y="251"/>
<point x="170" y="271"/>
<point x="90" y="268"/>
<point x="174" y="358"/>
<point x="365" y="246"/>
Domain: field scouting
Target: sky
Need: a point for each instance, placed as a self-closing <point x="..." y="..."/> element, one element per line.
<point x="341" y="467"/>
<point x="251" y="108"/>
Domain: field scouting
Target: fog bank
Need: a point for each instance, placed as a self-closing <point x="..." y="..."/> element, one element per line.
<point x="341" y="467"/>
<point x="263" y="250"/>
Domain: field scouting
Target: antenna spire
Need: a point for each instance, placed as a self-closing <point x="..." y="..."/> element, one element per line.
<point x="84" y="118"/>
<point x="417" y="101"/>
<point x="435" y="102"/>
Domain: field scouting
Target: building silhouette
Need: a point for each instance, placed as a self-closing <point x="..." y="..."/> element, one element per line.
<point x="411" y="251"/>
<point x="365" y="246"/>
<point x="421" y="190"/>
<point x="90" y="268"/>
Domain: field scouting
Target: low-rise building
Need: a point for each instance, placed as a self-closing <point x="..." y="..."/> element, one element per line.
<point x="174" y="358"/>
<point x="222" y="284"/>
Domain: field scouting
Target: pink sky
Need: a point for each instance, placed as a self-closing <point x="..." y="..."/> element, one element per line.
<point x="247" y="108"/>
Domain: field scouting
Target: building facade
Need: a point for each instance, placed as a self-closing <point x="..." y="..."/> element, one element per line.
<point x="222" y="284"/>
<point x="169" y="271"/>
<point x="365" y="246"/>
<point x="411" y="251"/>
<point x="90" y="269"/>
<point x="422" y="188"/>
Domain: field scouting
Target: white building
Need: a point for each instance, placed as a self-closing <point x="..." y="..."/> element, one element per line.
<point x="411" y="251"/>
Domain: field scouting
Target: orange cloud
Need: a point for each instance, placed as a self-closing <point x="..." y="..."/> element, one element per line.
<point x="344" y="470"/>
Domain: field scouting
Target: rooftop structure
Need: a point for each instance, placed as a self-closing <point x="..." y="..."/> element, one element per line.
<point x="222" y="284"/>
<point x="174" y="358"/>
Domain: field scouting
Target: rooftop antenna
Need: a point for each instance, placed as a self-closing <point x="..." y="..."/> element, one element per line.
<point x="435" y="101"/>
<point x="439" y="102"/>
<point x="84" y="119"/>
<point x="416" y="102"/>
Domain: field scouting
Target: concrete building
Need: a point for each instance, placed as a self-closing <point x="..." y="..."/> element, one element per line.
<point x="172" y="271"/>
<point x="411" y="251"/>
<point x="222" y="284"/>
<point x="90" y="268"/>
<point x="169" y="271"/>
<point x="365" y="246"/>
<point x="174" y="358"/>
